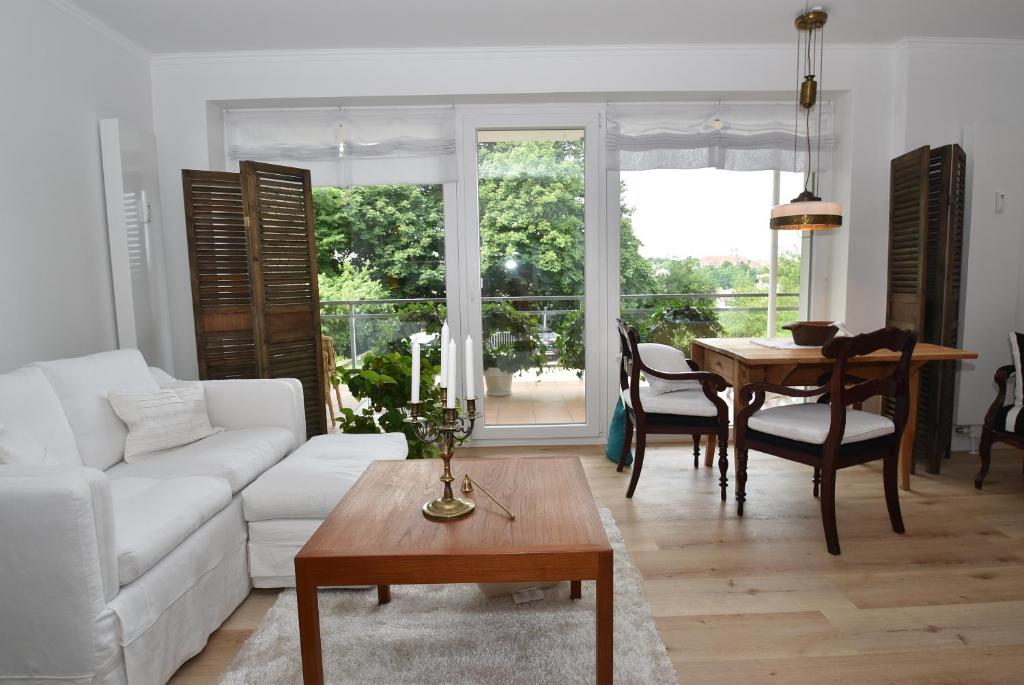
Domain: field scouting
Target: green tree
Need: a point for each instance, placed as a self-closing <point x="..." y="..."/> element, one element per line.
<point x="350" y="283"/>
<point x="686" y="276"/>
<point x="394" y="232"/>
<point x="531" y="217"/>
<point x="636" y="275"/>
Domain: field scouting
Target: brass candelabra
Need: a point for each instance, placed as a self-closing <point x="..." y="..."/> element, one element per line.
<point x="454" y="427"/>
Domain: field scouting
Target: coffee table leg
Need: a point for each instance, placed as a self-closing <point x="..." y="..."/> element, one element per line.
<point x="309" y="633"/>
<point x="383" y="594"/>
<point x="605" y="584"/>
<point x="575" y="589"/>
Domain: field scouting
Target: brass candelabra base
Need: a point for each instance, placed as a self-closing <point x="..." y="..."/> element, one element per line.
<point x="447" y="506"/>
<point x="442" y="508"/>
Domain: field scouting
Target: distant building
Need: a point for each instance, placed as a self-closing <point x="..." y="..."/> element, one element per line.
<point x="733" y="258"/>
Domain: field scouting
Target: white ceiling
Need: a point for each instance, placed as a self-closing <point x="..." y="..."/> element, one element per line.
<point x="170" y="26"/>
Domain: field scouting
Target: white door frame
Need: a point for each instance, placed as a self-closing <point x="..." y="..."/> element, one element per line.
<point x="596" y="268"/>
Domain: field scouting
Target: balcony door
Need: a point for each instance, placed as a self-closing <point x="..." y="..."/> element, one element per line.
<point x="530" y="226"/>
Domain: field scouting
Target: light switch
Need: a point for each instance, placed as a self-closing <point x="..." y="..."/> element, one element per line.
<point x="1000" y="202"/>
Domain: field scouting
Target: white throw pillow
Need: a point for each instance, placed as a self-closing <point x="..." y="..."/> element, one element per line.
<point x="670" y="360"/>
<point x="18" y="447"/>
<point x="170" y="417"/>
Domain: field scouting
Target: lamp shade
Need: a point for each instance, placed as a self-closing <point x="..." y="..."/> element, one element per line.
<point x="810" y="215"/>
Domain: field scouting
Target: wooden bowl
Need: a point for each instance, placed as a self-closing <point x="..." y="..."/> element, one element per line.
<point x="814" y="333"/>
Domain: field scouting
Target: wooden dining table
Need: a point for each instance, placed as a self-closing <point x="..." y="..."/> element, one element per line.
<point x="742" y="360"/>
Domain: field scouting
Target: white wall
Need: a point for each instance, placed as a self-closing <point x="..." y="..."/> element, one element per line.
<point x="185" y="86"/>
<point x="969" y="92"/>
<point x="61" y="74"/>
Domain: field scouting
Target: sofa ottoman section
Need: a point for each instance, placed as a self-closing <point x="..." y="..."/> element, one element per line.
<point x="287" y="503"/>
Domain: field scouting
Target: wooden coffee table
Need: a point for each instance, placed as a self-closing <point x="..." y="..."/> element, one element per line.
<point x="377" y="535"/>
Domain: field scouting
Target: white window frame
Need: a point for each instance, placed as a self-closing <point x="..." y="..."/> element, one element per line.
<point x="469" y="120"/>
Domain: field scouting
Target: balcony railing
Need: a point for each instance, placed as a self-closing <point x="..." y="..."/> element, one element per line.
<point x="360" y="325"/>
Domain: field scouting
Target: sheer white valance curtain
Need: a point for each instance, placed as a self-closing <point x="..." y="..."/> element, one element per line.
<point x="737" y="136"/>
<point x="398" y="145"/>
<point x="305" y="138"/>
<point x="349" y="146"/>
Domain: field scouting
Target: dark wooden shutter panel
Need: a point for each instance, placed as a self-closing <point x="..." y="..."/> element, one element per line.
<point x="221" y="292"/>
<point x="926" y="217"/>
<point x="279" y="211"/>
<point x="946" y="188"/>
<point x="908" y="226"/>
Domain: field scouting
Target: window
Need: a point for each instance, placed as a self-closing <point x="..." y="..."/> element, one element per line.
<point x="696" y="253"/>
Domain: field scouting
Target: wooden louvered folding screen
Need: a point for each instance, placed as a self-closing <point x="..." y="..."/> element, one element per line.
<point x="218" y="250"/>
<point x="279" y="211"/>
<point x="926" y="220"/>
<point x="252" y="251"/>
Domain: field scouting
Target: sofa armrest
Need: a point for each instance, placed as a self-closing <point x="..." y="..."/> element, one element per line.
<point x="258" y="403"/>
<point x="58" y="569"/>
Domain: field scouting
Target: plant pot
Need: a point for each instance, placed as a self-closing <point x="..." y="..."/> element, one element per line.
<point x="499" y="383"/>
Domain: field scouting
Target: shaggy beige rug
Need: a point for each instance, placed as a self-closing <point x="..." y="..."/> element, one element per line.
<point x="453" y="634"/>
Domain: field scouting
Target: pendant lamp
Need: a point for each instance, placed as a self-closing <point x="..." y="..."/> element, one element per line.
<point x="807" y="211"/>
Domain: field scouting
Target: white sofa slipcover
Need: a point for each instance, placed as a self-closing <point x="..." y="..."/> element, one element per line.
<point x="289" y="502"/>
<point x="111" y="574"/>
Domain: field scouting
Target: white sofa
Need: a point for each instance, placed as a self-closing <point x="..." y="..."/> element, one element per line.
<point x="113" y="572"/>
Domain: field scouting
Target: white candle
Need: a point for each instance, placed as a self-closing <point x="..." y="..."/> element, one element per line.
<point x="452" y="355"/>
<point x="444" y="354"/>
<point x="469" y="368"/>
<point x="415" y="372"/>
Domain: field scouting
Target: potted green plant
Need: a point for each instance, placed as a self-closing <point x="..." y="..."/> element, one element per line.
<point x="384" y="380"/>
<point x="513" y="345"/>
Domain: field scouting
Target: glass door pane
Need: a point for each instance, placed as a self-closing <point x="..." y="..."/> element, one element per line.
<point x="382" y="273"/>
<point x="531" y="210"/>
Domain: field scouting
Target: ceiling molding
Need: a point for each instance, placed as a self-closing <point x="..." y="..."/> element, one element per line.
<point x="566" y="51"/>
<point x="927" y="42"/>
<point x="101" y="28"/>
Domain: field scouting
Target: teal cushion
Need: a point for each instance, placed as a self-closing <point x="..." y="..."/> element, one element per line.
<point x="617" y="435"/>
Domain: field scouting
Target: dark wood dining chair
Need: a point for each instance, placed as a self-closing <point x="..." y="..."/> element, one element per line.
<point x="997" y="427"/>
<point x="695" y="409"/>
<point x="826" y="435"/>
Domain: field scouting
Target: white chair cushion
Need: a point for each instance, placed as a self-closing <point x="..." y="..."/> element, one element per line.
<point x="680" y="402"/>
<point x="18" y="447"/>
<point x="82" y="384"/>
<point x="152" y="517"/>
<point x="810" y="423"/>
<point x="159" y="420"/>
<point x="310" y="482"/>
<point x="28" y="403"/>
<point x="670" y="360"/>
<point x="237" y="456"/>
<point x="1014" y="421"/>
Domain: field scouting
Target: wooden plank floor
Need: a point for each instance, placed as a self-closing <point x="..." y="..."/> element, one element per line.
<point x="759" y="600"/>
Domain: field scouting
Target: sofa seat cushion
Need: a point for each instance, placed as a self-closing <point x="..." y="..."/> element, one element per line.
<point x="28" y="403"/>
<point x="82" y="385"/>
<point x="152" y="517"/>
<point x="810" y="423"/>
<point x="679" y="403"/>
<point x="140" y="605"/>
<point x="237" y="456"/>
<point x="310" y="482"/>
